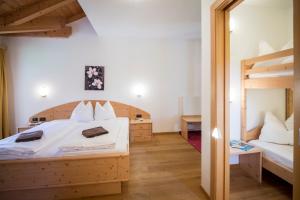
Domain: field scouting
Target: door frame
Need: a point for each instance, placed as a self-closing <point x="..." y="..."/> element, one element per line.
<point x="220" y="58"/>
<point x="220" y="55"/>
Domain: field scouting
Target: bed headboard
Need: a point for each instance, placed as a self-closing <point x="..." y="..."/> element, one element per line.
<point x="64" y="111"/>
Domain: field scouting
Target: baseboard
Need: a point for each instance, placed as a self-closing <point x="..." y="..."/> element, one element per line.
<point x="166" y="133"/>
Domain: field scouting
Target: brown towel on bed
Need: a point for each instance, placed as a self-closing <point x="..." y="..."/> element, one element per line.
<point x="93" y="132"/>
<point x="30" y="136"/>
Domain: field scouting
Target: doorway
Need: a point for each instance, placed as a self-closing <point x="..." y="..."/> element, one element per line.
<point x="220" y="109"/>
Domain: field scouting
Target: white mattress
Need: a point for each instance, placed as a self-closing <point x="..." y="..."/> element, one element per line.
<point x="272" y="74"/>
<point x="281" y="154"/>
<point x="121" y="144"/>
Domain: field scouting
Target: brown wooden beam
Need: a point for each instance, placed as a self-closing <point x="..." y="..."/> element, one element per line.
<point x="33" y="11"/>
<point x="75" y="17"/>
<point x="38" y="25"/>
<point x="64" y="33"/>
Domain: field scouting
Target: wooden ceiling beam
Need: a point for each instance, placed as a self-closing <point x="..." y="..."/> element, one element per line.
<point x="33" y="11"/>
<point x="39" y="25"/>
<point x="62" y="33"/>
<point x="75" y="17"/>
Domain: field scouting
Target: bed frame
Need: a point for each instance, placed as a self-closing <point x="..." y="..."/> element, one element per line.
<point x="70" y="176"/>
<point x="285" y="82"/>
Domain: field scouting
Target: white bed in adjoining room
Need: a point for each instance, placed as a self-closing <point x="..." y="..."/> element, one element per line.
<point x="278" y="153"/>
<point x="276" y="139"/>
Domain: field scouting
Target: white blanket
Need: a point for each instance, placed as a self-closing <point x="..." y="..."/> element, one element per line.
<point x="52" y="131"/>
<point x="75" y="141"/>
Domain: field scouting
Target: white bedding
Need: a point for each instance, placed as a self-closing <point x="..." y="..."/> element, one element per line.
<point x="69" y="135"/>
<point x="75" y="141"/>
<point x="272" y="74"/>
<point x="281" y="154"/>
<point x="52" y="131"/>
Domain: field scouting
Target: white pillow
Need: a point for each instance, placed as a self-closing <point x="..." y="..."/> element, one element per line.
<point x="288" y="45"/>
<point x="274" y="130"/>
<point x="291" y="137"/>
<point x="104" y="112"/>
<point x="265" y="48"/>
<point x="289" y="59"/>
<point x="108" y="107"/>
<point x="289" y="123"/>
<point x="101" y="113"/>
<point x="83" y="113"/>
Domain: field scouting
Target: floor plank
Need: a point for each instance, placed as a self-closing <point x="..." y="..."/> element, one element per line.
<point x="167" y="168"/>
<point x="244" y="187"/>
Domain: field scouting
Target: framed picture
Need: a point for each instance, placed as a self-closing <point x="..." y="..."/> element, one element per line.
<point x="94" y="77"/>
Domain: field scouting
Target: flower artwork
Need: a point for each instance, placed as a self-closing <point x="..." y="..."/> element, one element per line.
<point x="94" y="78"/>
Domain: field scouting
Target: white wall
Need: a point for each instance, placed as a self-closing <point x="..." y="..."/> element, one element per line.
<point x="166" y="67"/>
<point x="205" y="94"/>
<point x="253" y="24"/>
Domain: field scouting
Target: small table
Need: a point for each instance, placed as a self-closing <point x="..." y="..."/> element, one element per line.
<point x="29" y="126"/>
<point x="185" y="121"/>
<point x="21" y="129"/>
<point x="250" y="161"/>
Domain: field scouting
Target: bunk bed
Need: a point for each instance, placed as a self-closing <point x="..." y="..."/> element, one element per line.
<point x="275" y="70"/>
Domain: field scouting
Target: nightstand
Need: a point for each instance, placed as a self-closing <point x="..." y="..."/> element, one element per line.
<point x="250" y="161"/>
<point x="21" y="129"/>
<point x="29" y="126"/>
<point x="140" y="130"/>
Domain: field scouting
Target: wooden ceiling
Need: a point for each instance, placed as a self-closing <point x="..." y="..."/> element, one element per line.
<point x="39" y="18"/>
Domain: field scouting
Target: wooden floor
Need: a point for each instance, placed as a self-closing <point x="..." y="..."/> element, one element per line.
<point x="272" y="187"/>
<point x="168" y="168"/>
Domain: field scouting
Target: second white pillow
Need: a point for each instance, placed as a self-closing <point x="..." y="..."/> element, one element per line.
<point x="104" y="112"/>
<point x="274" y="130"/>
<point x="83" y="113"/>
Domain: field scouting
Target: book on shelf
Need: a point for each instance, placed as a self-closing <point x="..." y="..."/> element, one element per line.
<point x="240" y="145"/>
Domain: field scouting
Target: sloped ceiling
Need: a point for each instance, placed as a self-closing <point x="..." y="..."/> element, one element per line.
<point x="144" y="18"/>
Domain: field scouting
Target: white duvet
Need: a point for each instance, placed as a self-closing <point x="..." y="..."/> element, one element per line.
<point x="281" y="154"/>
<point x="52" y="132"/>
<point x="75" y="141"/>
<point x="64" y="138"/>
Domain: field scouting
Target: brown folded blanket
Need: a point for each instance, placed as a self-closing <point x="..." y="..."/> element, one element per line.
<point x="30" y="136"/>
<point x="93" y="132"/>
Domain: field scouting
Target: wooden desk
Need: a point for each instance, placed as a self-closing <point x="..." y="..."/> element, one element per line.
<point x="250" y="161"/>
<point x="185" y="121"/>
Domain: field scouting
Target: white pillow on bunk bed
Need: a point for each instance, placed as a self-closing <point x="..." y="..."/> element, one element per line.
<point x="274" y="130"/>
<point x="289" y="123"/>
<point x="83" y="113"/>
<point x="104" y="112"/>
<point x="266" y="48"/>
<point x="289" y="59"/>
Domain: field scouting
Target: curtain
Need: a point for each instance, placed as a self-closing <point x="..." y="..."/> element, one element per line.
<point x="4" y="118"/>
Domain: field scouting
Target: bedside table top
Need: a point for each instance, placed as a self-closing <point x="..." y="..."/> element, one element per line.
<point x="235" y="151"/>
<point x="137" y="121"/>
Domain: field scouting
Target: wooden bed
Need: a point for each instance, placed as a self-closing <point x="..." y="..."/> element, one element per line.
<point x="71" y="176"/>
<point x="284" y="82"/>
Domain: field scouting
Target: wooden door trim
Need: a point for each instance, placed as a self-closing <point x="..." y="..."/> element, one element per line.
<point x="219" y="97"/>
<point x="220" y="55"/>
